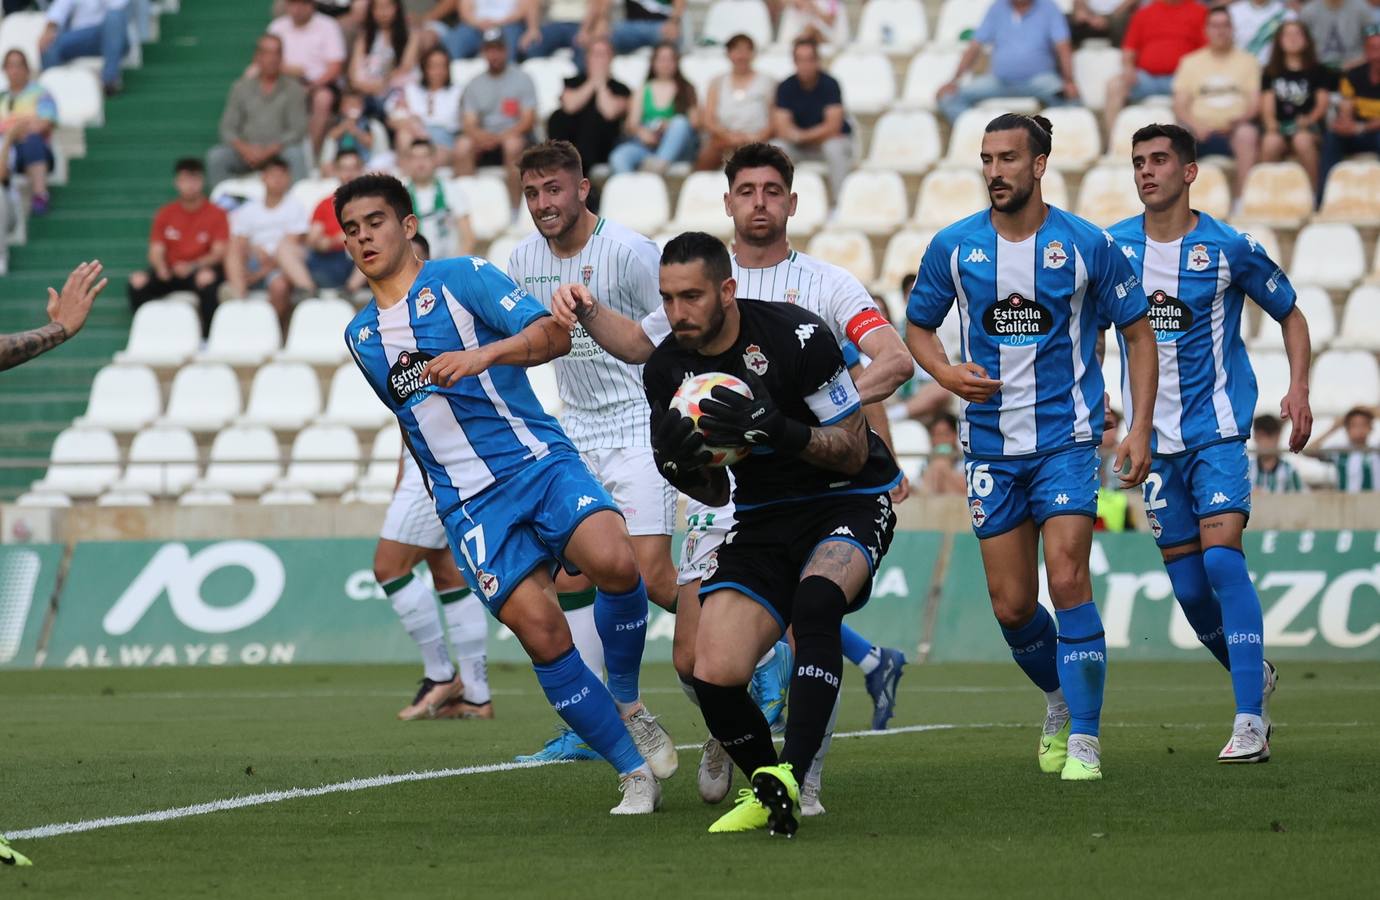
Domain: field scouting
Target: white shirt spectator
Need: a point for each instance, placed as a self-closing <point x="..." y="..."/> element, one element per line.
<point x="435" y="109"/>
<point x="266" y="227"/>
<point x="71" y="15"/>
<point x="1254" y="25"/>
<point x="312" y="48"/>
<point x="494" y="10"/>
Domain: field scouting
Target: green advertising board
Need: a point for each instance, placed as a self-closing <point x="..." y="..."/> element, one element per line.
<point x="1320" y="592"/>
<point x="28" y="574"/>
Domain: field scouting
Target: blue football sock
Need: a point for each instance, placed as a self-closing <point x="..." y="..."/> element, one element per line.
<point x="1242" y="623"/>
<point x="1082" y="665"/>
<point x="1204" y="613"/>
<point x="584" y="703"/>
<point x="1033" y="648"/>
<point x="622" y="623"/>
<point x="855" y="646"/>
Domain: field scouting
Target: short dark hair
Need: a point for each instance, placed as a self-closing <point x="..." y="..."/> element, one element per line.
<point x="22" y="57"/>
<point x="551" y="156"/>
<point x="755" y="156"/>
<point x="692" y="246"/>
<point x="1218" y="9"/>
<point x="1267" y="425"/>
<point x="273" y="162"/>
<point x="947" y="418"/>
<point x="422" y="142"/>
<point x="1039" y="131"/>
<point x="421" y="245"/>
<point x="907" y="283"/>
<point x="740" y="38"/>
<point x="349" y="151"/>
<point x="804" y="42"/>
<point x="189" y="164"/>
<point x="1357" y="411"/>
<point x="374" y="185"/>
<point x="1180" y="140"/>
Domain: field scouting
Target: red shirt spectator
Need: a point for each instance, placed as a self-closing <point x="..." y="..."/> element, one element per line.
<point x="1162" y="33"/>
<point x="188" y="234"/>
<point x="324" y="216"/>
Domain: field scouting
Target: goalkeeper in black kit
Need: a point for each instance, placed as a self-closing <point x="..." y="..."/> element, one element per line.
<point x="814" y="515"/>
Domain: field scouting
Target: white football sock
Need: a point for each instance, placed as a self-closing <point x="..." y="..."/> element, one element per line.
<point x="871" y="661"/>
<point x="469" y="631"/>
<point x="416" y="605"/>
<point x="817" y="764"/>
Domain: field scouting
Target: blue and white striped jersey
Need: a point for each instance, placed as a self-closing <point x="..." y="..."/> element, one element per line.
<point x="486" y="427"/>
<point x="1196" y="287"/>
<point x="1029" y="313"/>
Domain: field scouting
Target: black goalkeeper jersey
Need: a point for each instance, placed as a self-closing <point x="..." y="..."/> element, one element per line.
<point x="795" y="355"/>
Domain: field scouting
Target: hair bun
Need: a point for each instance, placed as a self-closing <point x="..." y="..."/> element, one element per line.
<point x="1043" y="123"/>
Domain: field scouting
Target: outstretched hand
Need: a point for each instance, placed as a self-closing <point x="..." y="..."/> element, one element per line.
<point x="71" y="307"/>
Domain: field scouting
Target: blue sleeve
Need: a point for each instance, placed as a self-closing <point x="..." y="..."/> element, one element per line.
<point x="1058" y="25"/>
<point x="986" y="32"/>
<point x="493" y="297"/>
<point x="1263" y="280"/>
<point x="933" y="293"/>
<point x="1113" y="284"/>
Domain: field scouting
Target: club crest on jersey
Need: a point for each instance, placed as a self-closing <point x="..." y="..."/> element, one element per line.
<point x="586" y="274"/>
<point x="1170" y="317"/>
<point x="755" y="359"/>
<point x="406" y="383"/>
<point x="426" y="301"/>
<point x="1017" y="321"/>
<point x="1198" y="258"/>
<point x="488" y="583"/>
<point x="792" y="295"/>
<point x="1155" y="527"/>
<point x="1055" y="257"/>
<point x="711" y="565"/>
<point x="978" y="514"/>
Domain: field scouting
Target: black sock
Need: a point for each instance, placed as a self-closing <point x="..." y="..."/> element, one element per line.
<point x="816" y="618"/>
<point x="737" y="723"/>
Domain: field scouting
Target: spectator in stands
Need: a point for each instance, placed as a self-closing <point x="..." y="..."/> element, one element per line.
<point x="822" y="21"/>
<point x="516" y="19"/>
<point x="737" y="106"/>
<point x="442" y="209"/>
<point x="27" y="117"/>
<point x="1338" y="29"/>
<point x="646" y="23"/>
<point x="593" y="107"/>
<point x="429" y="108"/>
<point x="1217" y="97"/>
<point x="1358" y="463"/>
<point x="88" y="28"/>
<point x="1027" y="42"/>
<point x="264" y="243"/>
<point x="1270" y="472"/>
<point x="573" y="24"/>
<point x="1160" y="34"/>
<point x="498" y="110"/>
<point x="1254" y="24"/>
<point x="808" y="118"/>
<point x="1105" y="19"/>
<point x="265" y="117"/>
<point x="328" y="263"/>
<point x="187" y="245"/>
<point x="351" y="128"/>
<point x="314" y="52"/>
<point x="1356" y="127"/>
<point x="662" y="118"/>
<point x="1294" y="99"/>
<point x="384" y="56"/>
<point x="944" y="472"/>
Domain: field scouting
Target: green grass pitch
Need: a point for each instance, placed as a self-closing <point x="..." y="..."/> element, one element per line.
<point x="958" y="811"/>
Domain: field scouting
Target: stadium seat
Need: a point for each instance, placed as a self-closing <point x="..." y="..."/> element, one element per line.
<point x="957" y="18"/>
<point x="22" y="30"/>
<point x="1277" y="194"/>
<point x="1352" y="193"/>
<point x="315" y="333"/>
<point x="1316" y="306"/>
<point x="543" y="381"/>
<point x="897" y="27"/>
<point x="84" y="462"/>
<point x="243" y="333"/>
<point x="902" y="258"/>
<point x="311" y="191"/>
<point x="1093" y="69"/>
<point x="369" y="496"/>
<point x="701" y="205"/>
<point x="793" y="22"/>
<point x="965" y="138"/>
<point x="1212" y="191"/>
<point x="928" y="71"/>
<point x="1108" y="194"/>
<point x="284" y="396"/>
<point x="1343" y="379"/>
<point x="206" y="497"/>
<point x="949" y="194"/>
<point x="491" y="210"/>
<point x="725" y="18"/>
<point x="124" y="498"/>
<point x="812" y="203"/>
<point x="279" y="496"/>
<point x="244" y="460"/>
<point x="637" y="200"/>
<point x="1360" y="320"/>
<point x="123" y="399"/>
<point x="1111" y="373"/>
<point x="165" y="333"/>
<point x="387" y="449"/>
<point x="849" y="249"/>
<point x="352" y="402"/>
<point x="462" y="71"/>
<point x="78" y="94"/>
<point x="1263" y="235"/>
<point x="43" y="500"/>
<point x="1330" y="255"/>
<point x="1272" y="380"/>
<point x="231" y="192"/>
<point x="776" y="64"/>
<point x="1077" y="138"/>
<point x="631" y="69"/>
<point x="548" y="75"/>
<point x="1130" y="120"/>
<point x="868" y="81"/>
<point x="1054" y="188"/>
<point x="325" y="460"/>
<point x="500" y="249"/>
<point x="162" y="462"/>
<point x="701" y="68"/>
<point x="872" y="201"/>
<point x="905" y="142"/>
<point x="909" y="438"/>
<point x="204" y="397"/>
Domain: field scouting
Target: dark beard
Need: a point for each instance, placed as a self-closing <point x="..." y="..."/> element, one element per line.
<point x="1017" y="202"/>
<point x="705" y="338"/>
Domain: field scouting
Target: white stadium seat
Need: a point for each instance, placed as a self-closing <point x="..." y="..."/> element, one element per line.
<point x="491" y="210"/>
<point x="898" y="27"/>
<point x="637" y="200"/>
<point x="282" y="496"/>
<point x="1093" y="69"/>
<point x="965" y="138"/>
<point x="325" y="460"/>
<point x="1352" y="193"/>
<point x="1360" y="320"/>
<point x="124" y="498"/>
<point x="43" y="500"/>
<point x="317" y="332"/>
<point x="204" y="397"/>
<point x="1111" y="372"/>
<point x="793" y="22"/>
<point x="1263" y="235"/>
<point x="1054" y="188"/>
<point x="1108" y="195"/>
<point x="701" y="68"/>
<point x="1330" y="255"/>
<point x="909" y="438"/>
<point x="22" y="30"/>
<point x="1077" y="138"/>
<point x="352" y="402"/>
<point x="206" y="497"/>
<point x="543" y="381"/>
<point x="955" y="18"/>
<point x="311" y="191"/>
<point x="905" y="142"/>
<point x="1316" y="307"/>
<point x="123" y="399"/>
<point x="1272" y="380"/>
<point x="548" y="76"/>
<point x="162" y="462"/>
<point x="1277" y="194"/>
<point x="872" y="201"/>
<point x="850" y="250"/>
<point x="947" y="195"/>
<point x="370" y="496"/>
<point x="868" y="82"/>
<point x="902" y="257"/>
<point x="812" y="203"/>
<point x="1130" y="120"/>
<point x="726" y="18"/>
<point x="500" y="249"/>
<point x="631" y="69"/>
<point x="84" y="462"/>
<point x="1343" y="379"/>
<point x="284" y="396"/>
<point x="462" y="71"/>
<point x="78" y="94"/>
<point x="233" y="191"/>
<point x="1212" y="192"/>
<point x="243" y="333"/>
<point x="928" y="71"/>
<point x="382" y="472"/>
<point x="244" y="460"/>
<point x="701" y="205"/>
<point x="164" y="333"/>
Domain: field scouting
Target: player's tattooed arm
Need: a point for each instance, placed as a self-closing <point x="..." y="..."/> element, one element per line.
<point x="841" y="447"/>
<point x="67" y="310"/>
<point x="25" y="345"/>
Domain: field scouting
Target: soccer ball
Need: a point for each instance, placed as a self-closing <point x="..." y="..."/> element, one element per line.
<point x="687" y="402"/>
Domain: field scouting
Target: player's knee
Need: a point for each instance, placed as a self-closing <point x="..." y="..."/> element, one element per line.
<point x="1069" y="585"/>
<point x="617" y="569"/>
<point x="1013" y="616"/>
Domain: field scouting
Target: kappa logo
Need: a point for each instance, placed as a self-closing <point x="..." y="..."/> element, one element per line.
<point x="1128" y="252"/>
<point x="976" y="255"/>
<point x="843" y="529"/>
<point x="478" y="262"/>
<point x="1055" y="257"/>
<point x="755" y="359"/>
<point x="1219" y="497"/>
<point x="1108" y="235"/>
<point x="364" y="334"/>
<point x="1198" y="258"/>
<point x="586" y="274"/>
<point x="488" y="583"/>
<point x="1251" y="242"/>
<point x="1062" y="500"/>
<point x="584" y="501"/>
<point x="426" y="301"/>
<point x="804" y="332"/>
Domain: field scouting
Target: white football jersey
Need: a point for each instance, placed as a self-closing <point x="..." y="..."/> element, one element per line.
<point x="605" y="405"/>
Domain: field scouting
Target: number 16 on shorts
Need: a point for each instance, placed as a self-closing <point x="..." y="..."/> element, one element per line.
<point x="979" y="481"/>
